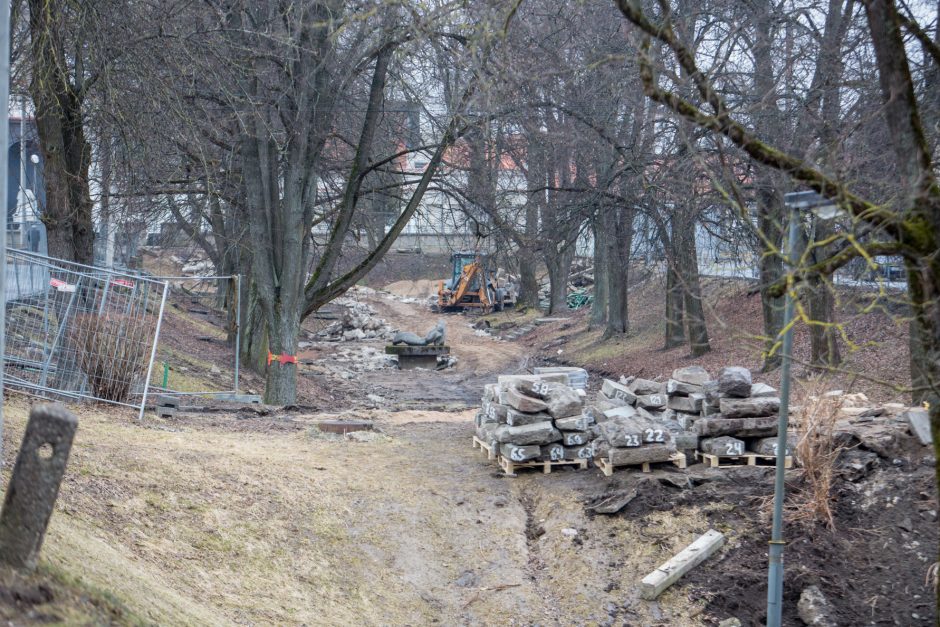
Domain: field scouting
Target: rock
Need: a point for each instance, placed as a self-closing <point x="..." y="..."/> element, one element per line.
<point x="919" y="421"/>
<point x="741" y="427"/>
<point x="748" y="407"/>
<point x="576" y="438"/>
<point x="768" y="446"/>
<point x="594" y="414"/>
<point x="563" y="402"/>
<point x="517" y="418"/>
<point x="626" y="411"/>
<point x="616" y="391"/>
<point x="508" y="380"/>
<point x="691" y="404"/>
<point x="466" y="579"/>
<point x="712" y="395"/>
<point x="760" y="390"/>
<point x="587" y="451"/>
<point x="730" y="622"/>
<point x="651" y="401"/>
<point x="603" y="403"/>
<point x="724" y="446"/>
<point x="517" y="453"/>
<point x="679" y="388"/>
<point x="517" y="400"/>
<point x="652" y="453"/>
<point x="621" y="432"/>
<point x="487" y="433"/>
<point x="686" y="421"/>
<point x="696" y="375"/>
<point x="642" y="387"/>
<point x="735" y="382"/>
<point x="569" y="532"/>
<point x="710" y="410"/>
<point x="538" y="433"/>
<point x="574" y="423"/>
<point x="814" y="608"/>
<point x="685" y="440"/>
<point x="490" y="392"/>
<point x="494" y="412"/>
<point x="552" y="452"/>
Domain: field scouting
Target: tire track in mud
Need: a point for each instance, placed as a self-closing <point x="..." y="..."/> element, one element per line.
<point x="536" y="565"/>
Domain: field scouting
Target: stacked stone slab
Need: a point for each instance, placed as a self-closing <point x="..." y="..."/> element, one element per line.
<point x="632" y="426"/>
<point x="535" y="418"/>
<point x="736" y="416"/>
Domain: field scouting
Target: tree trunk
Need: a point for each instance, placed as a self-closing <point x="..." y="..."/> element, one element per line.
<point x="559" y="269"/>
<point x="770" y="270"/>
<point x="60" y="125"/>
<point x="620" y="243"/>
<point x="602" y="277"/>
<point x="675" y="332"/>
<point x="281" y="381"/>
<point x="686" y="255"/>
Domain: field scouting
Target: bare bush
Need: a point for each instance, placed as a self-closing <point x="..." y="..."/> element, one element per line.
<point x="817" y="453"/>
<point x="113" y="350"/>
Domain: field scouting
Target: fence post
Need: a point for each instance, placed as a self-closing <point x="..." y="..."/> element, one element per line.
<point x="55" y="342"/>
<point x="238" y="326"/>
<point x="153" y="352"/>
<point x="34" y="484"/>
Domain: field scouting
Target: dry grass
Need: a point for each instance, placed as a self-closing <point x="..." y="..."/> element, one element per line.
<point x="817" y="452"/>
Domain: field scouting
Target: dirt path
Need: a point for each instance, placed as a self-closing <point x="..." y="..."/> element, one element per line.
<point x="261" y="520"/>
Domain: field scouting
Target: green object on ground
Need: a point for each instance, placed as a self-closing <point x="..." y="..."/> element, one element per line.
<point x="166" y="374"/>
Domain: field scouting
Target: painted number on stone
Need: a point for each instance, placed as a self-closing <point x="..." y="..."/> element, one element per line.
<point x="633" y="440"/>
<point x="557" y="454"/>
<point x="540" y="388"/>
<point x="654" y="435"/>
<point x="517" y="455"/>
<point x="621" y="395"/>
<point x="491" y="412"/>
<point x="576" y="438"/>
<point x="734" y="448"/>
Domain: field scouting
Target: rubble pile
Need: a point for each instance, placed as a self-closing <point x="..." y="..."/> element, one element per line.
<point x="535" y="417"/>
<point x="634" y="426"/>
<point x="359" y="321"/>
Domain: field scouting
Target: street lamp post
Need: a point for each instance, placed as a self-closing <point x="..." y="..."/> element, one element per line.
<point x="826" y="209"/>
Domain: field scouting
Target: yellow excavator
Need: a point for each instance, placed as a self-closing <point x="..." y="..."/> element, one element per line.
<point x="473" y="285"/>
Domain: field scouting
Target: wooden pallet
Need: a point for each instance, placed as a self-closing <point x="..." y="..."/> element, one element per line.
<point x="483" y="446"/>
<point x="509" y="467"/>
<point x="749" y="459"/>
<point x="608" y="468"/>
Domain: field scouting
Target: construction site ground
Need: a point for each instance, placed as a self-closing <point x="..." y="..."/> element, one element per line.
<point x="251" y="516"/>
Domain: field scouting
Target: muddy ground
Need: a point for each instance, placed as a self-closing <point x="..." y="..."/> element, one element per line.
<point x="252" y="516"/>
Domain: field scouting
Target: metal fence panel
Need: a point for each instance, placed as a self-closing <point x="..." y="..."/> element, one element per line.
<point x="80" y="332"/>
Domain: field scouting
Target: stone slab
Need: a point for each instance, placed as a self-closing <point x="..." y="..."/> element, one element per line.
<point x="641" y="455"/>
<point x="696" y="375"/>
<point x="652" y="401"/>
<point x="538" y="433"/>
<point x="919" y="421"/>
<point x="575" y="438"/>
<point x="517" y="418"/>
<point x="519" y="401"/>
<point x="691" y="404"/>
<point x="749" y="407"/>
<point x="641" y="387"/>
<point x="617" y="391"/>
<point x="724" y="446"/>
<point x="588" y="451"/>
<point x="768" y="446"/>
<point x="741" y="427"/>
<point x="518" y="453"/>
<point x="680" y="388"/>
<point x="761" y="390"/>
<point x="574" y="423"/>
<point x="554" y="452"/>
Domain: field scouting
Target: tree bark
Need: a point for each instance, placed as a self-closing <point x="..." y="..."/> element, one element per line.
<point x="602" y="277"/>
<point x="620" y="244"/>
<point x="60" y="125"/>
<point x="675" y="332"/>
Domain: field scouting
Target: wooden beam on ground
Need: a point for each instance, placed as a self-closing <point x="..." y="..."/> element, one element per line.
<point x="691" y="556"/>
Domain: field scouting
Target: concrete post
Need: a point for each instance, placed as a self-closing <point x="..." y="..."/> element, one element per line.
<point x="34" y="485"/>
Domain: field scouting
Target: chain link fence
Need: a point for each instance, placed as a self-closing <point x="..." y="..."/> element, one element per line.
<point x="80" y="332"/>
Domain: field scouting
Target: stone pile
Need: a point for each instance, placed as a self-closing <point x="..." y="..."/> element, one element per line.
<point x="634" y="425"/>
<point x="535" y="418"/>
<point x="359" y="321"/>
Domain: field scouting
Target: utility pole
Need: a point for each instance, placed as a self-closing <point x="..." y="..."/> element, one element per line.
<point x="4" y="180"/>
